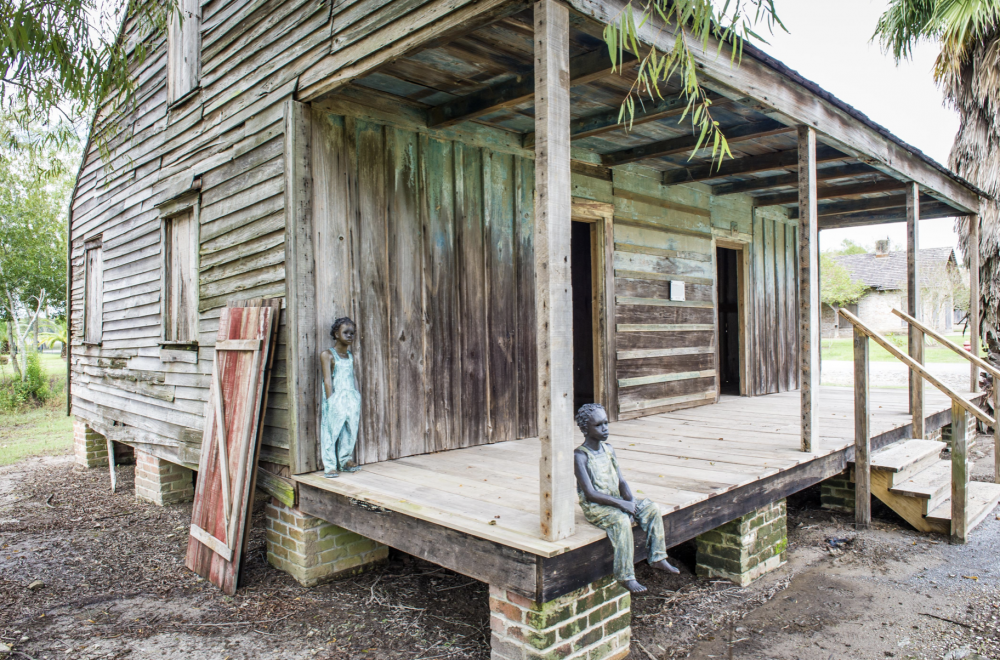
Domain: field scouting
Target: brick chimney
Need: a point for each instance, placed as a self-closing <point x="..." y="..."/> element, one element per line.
<point x="882" y="248"/>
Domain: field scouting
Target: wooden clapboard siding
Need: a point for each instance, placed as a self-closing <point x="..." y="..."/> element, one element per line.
<point x="225" y="145"/>
<point x="665" y="348"/>
<point x="440" y="229"/>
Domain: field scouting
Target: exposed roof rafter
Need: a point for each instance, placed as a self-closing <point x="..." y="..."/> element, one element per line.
<point x="747" y="165"/>
<point x="683" y="144"/>
<point x="582" y="69"/>
<point x="885" y="216"/>
<point x="782" y="180"/>
<point x="831" y="192"/>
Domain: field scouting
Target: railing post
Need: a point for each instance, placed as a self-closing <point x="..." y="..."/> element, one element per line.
<point x="862" y="434"/>
<point x="959" y="473"/>
<point x="913" y="304"/>
<point x="974" y="300"/>
<point x="996" y="430"/>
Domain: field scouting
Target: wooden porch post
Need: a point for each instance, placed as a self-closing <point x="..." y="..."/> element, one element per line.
<point x="862" y="434"/>
<point x="809" y="328"/>
<point x="553" y="295"/>
<point x="913" y="306"/>
<point x="959" y="474"/>
<point x="974" y="301"/>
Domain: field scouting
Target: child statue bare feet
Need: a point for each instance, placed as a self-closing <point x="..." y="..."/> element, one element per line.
<point x="607" y="500"/>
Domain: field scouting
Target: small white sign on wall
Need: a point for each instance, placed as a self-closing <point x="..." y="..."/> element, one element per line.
<point x="676" y="290"/>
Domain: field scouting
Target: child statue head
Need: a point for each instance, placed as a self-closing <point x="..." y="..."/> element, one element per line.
<point x="343" y="330"/>
<point x="593" y="421"/>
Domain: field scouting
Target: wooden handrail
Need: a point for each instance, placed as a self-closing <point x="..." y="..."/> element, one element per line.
<point x="918" y="368"/>
<point x="975" y="359"/>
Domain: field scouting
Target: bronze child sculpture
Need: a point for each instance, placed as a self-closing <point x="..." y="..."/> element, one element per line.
<point x="341" y="409"/>
<point x="608" y="502"/>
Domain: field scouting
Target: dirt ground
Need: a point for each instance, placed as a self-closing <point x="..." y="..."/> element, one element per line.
<point x="88" y="574"/>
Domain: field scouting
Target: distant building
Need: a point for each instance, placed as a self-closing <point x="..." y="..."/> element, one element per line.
<point x="884" y="272"/>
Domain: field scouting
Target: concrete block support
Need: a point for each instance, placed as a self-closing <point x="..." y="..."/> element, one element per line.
<point x="837" y="493"/>
<point x="161" y="482"/>
<point x="592" y="623"/>
<point x="744" y="549"/>
<point x="90" y="449"/>
<point x="312" y="550"/>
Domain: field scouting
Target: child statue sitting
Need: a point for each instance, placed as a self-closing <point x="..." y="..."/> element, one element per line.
<point x="608" y="502"/>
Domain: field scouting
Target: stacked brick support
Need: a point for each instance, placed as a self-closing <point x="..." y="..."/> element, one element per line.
<point x="837" y="493"/>
<point x="90" y="449"/>
<point x="312" y="550"/>
<point x="744" y="549"/>
<point x="970" y="432"/>
<point x="161" y="482"/>
<point x="592" y="623"/>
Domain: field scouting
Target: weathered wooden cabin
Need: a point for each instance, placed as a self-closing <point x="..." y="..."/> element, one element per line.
<point x="452" y="175"/>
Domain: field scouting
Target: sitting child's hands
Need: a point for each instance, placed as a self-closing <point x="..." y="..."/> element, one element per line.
<point x="628" y="506"/>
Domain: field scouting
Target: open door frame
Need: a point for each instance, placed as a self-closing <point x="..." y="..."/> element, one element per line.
<point x="742" y="272"/>
<point x="600" y="217"/>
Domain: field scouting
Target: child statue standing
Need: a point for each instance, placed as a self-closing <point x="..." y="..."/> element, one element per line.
<point x="341" y="401"/>
<point x="608" y="502"/>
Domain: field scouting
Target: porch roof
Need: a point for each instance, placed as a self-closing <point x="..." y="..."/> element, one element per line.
<point x="485" y="74"/>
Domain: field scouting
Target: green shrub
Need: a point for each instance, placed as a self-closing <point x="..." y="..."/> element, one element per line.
<point x="33" y="390"/>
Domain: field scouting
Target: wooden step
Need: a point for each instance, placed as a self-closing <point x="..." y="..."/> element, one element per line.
<point x="983" y="498"/>
<point x="906" y="458"/>
<point x="931" y="484"/>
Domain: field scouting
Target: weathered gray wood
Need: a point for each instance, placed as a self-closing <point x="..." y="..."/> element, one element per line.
<point x="996" y="431"/>
<point x="882" y="216"/>
<point x="870" y="204"/>
<point x="959" y="474"/>
<point x="180" y="277"/>
<point x="829" y="192"/>
<point x="862" y="434"/>
<point x="782" y="180"/>
<point x="734" y="134"/>
<point x="913" y="305"/>
<point x="582" y="69"/>
<point x="184" y="50"/>
<point x="746" y="165"/>
<point x="300" y="270"/>
<point x="974" y="252"/>
<point x="809" y="305"/>
<point x="93" y="310"/>
<point x="553" y="203"/>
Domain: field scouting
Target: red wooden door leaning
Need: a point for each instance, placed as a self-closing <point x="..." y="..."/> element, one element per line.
<point x="234" y="417"/>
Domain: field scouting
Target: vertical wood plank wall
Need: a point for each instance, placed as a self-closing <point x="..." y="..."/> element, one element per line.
<point x="441" y="236"/>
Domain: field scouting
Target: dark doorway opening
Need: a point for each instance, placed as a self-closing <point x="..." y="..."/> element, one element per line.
<point x="582" y="277"/>
<point x="728" y="295"/>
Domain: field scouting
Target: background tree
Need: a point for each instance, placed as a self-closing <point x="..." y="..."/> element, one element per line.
<point x="32" y="251"/>
<point x="837" y="289"/>
<point x="968" y="71"/>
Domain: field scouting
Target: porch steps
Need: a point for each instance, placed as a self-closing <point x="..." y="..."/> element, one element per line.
<point x="913" y="480"/>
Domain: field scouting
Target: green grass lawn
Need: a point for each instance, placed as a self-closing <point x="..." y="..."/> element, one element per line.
<point x="45" y="430"/>
<point x="843" y="349"/>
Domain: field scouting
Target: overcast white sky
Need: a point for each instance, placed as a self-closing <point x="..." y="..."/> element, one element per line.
<point x="828" y="43"/>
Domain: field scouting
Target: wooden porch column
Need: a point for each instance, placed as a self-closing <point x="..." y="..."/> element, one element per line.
<point x="974" y="302"/>
<point x="913" y="306"/>
<point x="862" y="434"/>
<point x="809" y="328"/>
<point x="553" y="296"/>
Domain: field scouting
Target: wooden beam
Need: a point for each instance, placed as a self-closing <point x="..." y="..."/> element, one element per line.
<point x="782" y="180"/>
<point x="553" y="289"/>
<point x="607" y="121"/>
<point x="788" y="96"/>
<point x="913" y="305"/>
<point x="868" y="204"/>
<point x="831" y="192"/>
<point x="880" y="217"/>
<point x="582" y="69"/>
<point x="748" y="165"/>
<point x="862" y="434"/>
<point x="300" y="267"/>
<point x="809" y="321"/>
<point x="685" y="143"/>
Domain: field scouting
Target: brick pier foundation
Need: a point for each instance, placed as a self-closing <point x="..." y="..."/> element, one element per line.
<point x="161" y="482"/>
<point x="592" y="623"/>
<point x="837" y="493"/>
<point x="744" y="549"/>
<point x="90" y="449"/>
<point x="312" y="550"/>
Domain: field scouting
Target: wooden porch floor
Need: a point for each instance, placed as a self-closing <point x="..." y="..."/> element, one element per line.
<point x="677" y="459"/>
